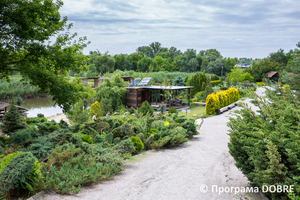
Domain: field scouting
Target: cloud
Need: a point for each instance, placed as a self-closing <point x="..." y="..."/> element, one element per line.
<point x="237" y="29"/>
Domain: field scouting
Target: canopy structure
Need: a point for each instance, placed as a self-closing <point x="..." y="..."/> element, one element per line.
<point x="138" y="92"/>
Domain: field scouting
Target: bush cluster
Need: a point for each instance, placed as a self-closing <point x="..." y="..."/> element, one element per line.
<point x="214" y="83"/>
<point x="220" y="100"/>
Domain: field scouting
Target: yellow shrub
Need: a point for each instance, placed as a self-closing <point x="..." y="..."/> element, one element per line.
<point x="212" y="103"/>
<point x="260" y="83"/>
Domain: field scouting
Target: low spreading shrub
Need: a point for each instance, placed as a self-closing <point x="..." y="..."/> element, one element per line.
<point x="172" y="110"/>
<point x="146" y="108"/>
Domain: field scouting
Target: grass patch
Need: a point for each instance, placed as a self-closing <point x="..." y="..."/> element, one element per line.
<point x="198" y="110"/>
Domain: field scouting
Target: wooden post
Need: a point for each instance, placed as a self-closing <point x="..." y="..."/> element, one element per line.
<point x="156" y="96"/>
<point x="189" y="96"/>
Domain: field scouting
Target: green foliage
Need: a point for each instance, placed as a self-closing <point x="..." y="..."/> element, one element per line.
<point x="131" y="111"/>
<point x="265" y="144"/>
<point x="137" y="143"/>
<point x="190" y="126"/>
<point x="86" y="138"/>
<point x="113" y="90"/>
<point x="239" y="75"/>
<point x="148" y="142"/>
<point x="78" y="113"/>
<point x="214" y="83"/>
<point x="7" y="159"/>
<point x="117" y="140"/>
<point x="69" y="167"/>
<point x="172" y="110"/>
<point x="109" y="138"/>
<point x="259" y="69"/>
<point x="124" y="147"/>
<point x="127" y="129"/>
<point x="199" y="81"/>
<point x="22" y="135"/>
<point x="12" y="121"/>
<point x="99" y="139"/>
<point x="162" y="108"/>
<point x="26" y="173"/>
<point x="146" y="108"/>
<point x="141" y="136"/>
<point x="33" y="24"/>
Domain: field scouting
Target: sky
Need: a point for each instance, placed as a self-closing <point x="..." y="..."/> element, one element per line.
<point x="236" y="28"/>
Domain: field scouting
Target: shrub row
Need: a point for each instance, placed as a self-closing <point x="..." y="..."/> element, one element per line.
<point x="220" y="100"/>
<point x="214" y="83"/>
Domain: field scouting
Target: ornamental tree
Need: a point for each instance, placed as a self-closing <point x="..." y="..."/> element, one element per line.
<point x="26" y="28"/>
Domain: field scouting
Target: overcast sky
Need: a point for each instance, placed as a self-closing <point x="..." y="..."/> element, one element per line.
<point x="237" y="28"/>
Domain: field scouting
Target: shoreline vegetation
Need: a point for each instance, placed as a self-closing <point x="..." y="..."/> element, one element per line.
<point x="16" y="88"/>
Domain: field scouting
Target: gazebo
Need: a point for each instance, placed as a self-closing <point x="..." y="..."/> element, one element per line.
<point x="139" y="91"/>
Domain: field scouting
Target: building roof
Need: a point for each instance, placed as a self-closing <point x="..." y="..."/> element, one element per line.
<point x="4" y="105"/>
<point x="272" y="73"/>
<point x="158" y="87"/>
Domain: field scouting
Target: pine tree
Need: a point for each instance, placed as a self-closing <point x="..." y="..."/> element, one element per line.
<point x="12" y="121"/>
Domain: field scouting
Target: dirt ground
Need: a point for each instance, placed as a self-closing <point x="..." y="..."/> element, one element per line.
<point x="180" y="173"/>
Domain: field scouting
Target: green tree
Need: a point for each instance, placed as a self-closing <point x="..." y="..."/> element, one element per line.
<point x="78" y="113"/>
<point x="143" y="64"/>
<point x="26" y="27"/>
<point x="134" y="58"/>
<point x="95" y="108"/>
<point x="266" y="144"/>
<point x="12" y="121"/>
<point x="238" y="75"/>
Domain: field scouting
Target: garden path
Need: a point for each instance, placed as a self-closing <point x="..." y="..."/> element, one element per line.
<point x="177" y="173"/>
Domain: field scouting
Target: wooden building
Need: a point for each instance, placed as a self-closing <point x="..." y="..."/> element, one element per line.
<point x="273" y="75"/>
<point x="4" y="107"/>
<point x="154" y="94"/>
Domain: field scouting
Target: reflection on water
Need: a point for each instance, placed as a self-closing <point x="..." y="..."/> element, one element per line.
<point x="41" y="105"/>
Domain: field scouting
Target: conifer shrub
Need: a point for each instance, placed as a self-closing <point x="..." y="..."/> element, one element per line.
<point x="212" y="103"/>
<point x="12" y="121"/>
<point x="131" y="110"/>
<point x="26" y="174"/>
<point x="117" y="132"/>
<point x="124" y="147"/>
<point x="146" y="108"/>
<point x="147" y="144"/>
<point x="137" y="143"/>
<point x="141" y="136"/>
<point x="172" y="110"/>
<point x="86" y="138"/>
<point x="127" y="129"/>
<point x="40" y="150"/>
<point x="190" y="126"/>
<point x="21" y="136"/>
<point x="7" y="158"/>
<point x="216" y="82"/>
<point x="266" y="144"/>
<point x="117" y="140"/>
<point x="99" y="139"/>
<point x="68" y="168"/>
<point x="109" y="138"/>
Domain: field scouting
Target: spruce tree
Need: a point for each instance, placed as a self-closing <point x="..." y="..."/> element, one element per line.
<point x="12" y="121"/>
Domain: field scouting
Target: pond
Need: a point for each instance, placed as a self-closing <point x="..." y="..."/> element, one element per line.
<point x="43" y="105"/>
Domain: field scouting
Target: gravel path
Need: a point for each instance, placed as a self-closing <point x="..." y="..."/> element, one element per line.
<point x="177" y="173"/>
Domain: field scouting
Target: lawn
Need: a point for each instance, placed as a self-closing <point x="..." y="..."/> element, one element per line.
<point x="198" y="110"/>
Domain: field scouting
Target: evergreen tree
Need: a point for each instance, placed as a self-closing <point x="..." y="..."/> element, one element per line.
<point x="266" y="144"/>
<point x="12" y="121"/>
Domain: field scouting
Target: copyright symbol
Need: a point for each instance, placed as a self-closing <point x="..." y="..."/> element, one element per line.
<point x="203" y="188"/>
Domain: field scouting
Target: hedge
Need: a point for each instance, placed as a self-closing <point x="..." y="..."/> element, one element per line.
<point x="220" y="100"/>
<point x="214" y="83"/>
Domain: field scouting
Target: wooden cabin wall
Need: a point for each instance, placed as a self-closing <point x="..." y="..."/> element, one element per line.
<point x="134" y="97"/>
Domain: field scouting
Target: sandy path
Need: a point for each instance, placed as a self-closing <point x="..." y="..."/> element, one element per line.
<point x="177" y="173"/>
<point x="58" y="117"/>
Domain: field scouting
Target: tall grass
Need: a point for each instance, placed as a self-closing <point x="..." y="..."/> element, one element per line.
<point x="17" y="88"/>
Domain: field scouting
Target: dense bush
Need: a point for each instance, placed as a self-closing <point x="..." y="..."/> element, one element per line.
<point x="220" y="100"/>
<point x="214" y="83"/>
<point x="12" y="121"/>
<point x="124" y="147"/>
<point x="172" y="110"/>
<point x="99" y="139"/>
<point x="266" y="144"/>
<point x="86" y="138"/>
<point x="131" y="111"/>
<point x="146" y="108"/>
<point x="6" y="159"/>
<point x="22" y="135"/>
<point x="26" y="173"/>
<point x="137" y="143"/>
